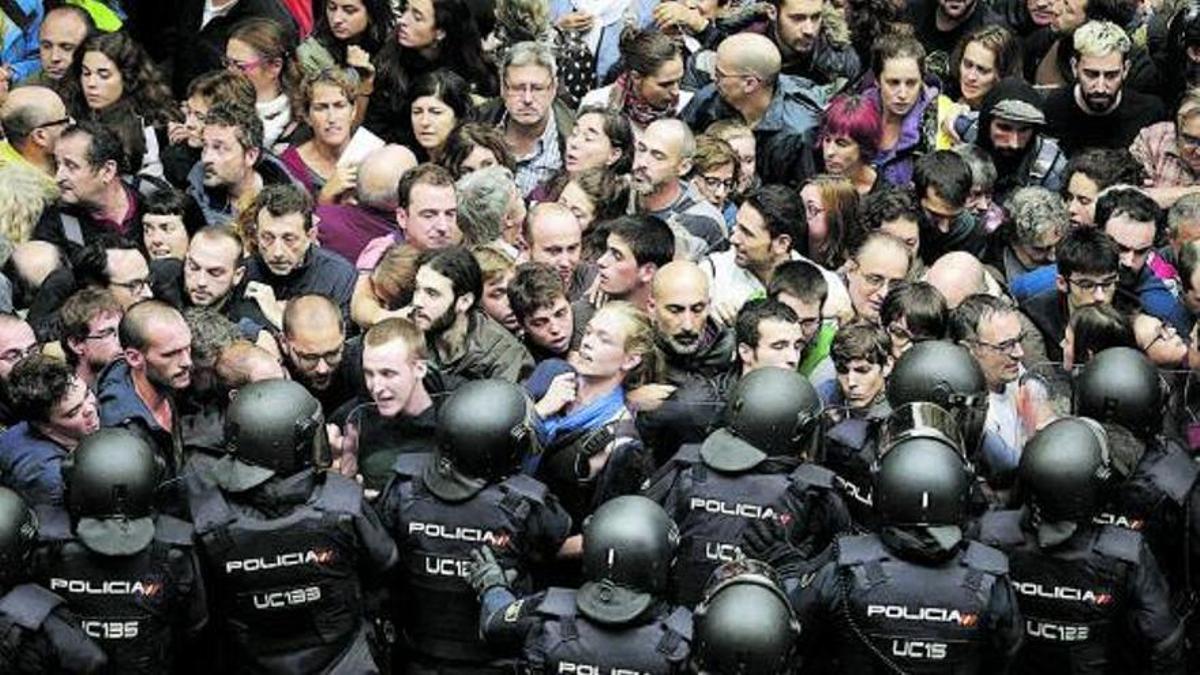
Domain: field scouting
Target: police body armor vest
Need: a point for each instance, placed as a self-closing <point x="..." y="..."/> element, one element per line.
<point x="714" y="509"/>
<point x="1071" y="604"/>
<point x="123" y="603"/>
<point x="849" y="451"/>
<point x="440" y="614"/>
<point x="23" y="612"/>
<point x="1153" y="502"/>
<point x="571" y="643"/>
<point x="924" y="618"/>
<point x="564" y="466"/>
<point x="290" y="583"/>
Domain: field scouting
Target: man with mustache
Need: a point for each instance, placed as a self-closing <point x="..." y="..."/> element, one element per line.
<point x="1100" y="111"/>
<point x="1010" y="125"/>
<point x="662" y="156"/>
<point x="233" y="167"/>
<point x="694" y="345"/>
<point x="287" y="261"/>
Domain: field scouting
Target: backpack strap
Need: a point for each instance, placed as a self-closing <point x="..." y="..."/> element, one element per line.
<point x="28" y="605"/>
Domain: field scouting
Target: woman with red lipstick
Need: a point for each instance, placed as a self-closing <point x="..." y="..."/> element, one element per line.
<point x="118" y="85"/>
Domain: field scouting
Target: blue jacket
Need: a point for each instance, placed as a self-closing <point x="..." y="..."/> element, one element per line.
<point x="30" y="464"/>
<point x="1156" y="299"/>
<point x="21" y="46"/>
<point x="120" y="406"/>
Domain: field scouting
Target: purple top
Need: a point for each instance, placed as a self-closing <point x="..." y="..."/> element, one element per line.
<point x="895" y="165"/>
<point x="346" y="230"/>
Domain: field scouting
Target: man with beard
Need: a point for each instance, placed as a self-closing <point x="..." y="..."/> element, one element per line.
<point x="138" y="390"/>
<point x="288" y="262"/>
<point x="1009" y="123"/>
<point x="1100" y="111"/>
<point x="318" y="355"/>
<point x="58" y="411"/>
<point x="1130" y="217"/>
<point x="811" y="47"/>
<point x="662" y="156"/>
<point x="464" y="343"/>
<point x="693" y="344"/>
<point x="233" y="167"/>
<point x="942" y="24"/>
<point x="89" y="332"/>
<point x="212" y="268"/>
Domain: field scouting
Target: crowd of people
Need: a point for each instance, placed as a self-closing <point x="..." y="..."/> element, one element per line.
<point x="599" y="336"/>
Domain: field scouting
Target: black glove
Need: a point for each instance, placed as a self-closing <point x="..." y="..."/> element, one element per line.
<point x="485" y="571"/>
<point x="769" y="540"/>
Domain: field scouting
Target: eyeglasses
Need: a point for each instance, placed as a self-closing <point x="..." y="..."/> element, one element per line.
<point x="53" y="123"/>
<point x="1007" y="347"/>
<point x="106" y="334"/>
<point x="1089" y="285"/>
<point x="331" y="358"/>
<point x="15" y="354"/>
<point x="244" y="66"/>
<point x="134" y="286"/>
<point x="718" y="75"/>
<point x="877" y="281"/>
<point x="717" y="183"/>
<point x="1165" y="332"/>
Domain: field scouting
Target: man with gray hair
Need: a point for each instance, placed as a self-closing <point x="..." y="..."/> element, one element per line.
<point x="662" y="157"/>
<point x="348" y="227"/>
<point x="489" y="205"/>
<point x="1183" y="227"/>
<point x="1038" y="220"/>
<point x="1100" y="111"/>
<point x="784" y="111"/>
<point x="534" y="121"/>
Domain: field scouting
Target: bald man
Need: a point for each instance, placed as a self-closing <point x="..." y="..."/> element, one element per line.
<point x="661" y="159"/>
<point x="348" y="227"/>
<point x="244" y="362"/>
<point x="62" y="32"/>
<point x="784" y="111"/>
<point x="317" y="353"/>
<point x="693" y="344"/>
<point x="138" y="390"/>
<point x="33" y="118"/>
<point x="553" y="236"/>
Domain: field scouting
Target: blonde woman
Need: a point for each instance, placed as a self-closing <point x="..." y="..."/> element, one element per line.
<point x="24" y="193"/>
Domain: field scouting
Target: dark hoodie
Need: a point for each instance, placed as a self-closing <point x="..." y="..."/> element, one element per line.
<point x="1014" y="170"/>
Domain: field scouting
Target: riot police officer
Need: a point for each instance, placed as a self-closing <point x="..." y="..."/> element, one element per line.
<point x="754" y="469"/>
<point x="617" y="622"/>
<point x="440" y="507"/>
<point x="128" y="574"/>
<point x="745" y="623"/>
<point x="916" y="597"/>
<point x="38" y="634"/>
<point x="934" y="371"/>
<point x="1156" y="486"/>
<point x="1091" y="595"/>
<point x="290" y="550"/>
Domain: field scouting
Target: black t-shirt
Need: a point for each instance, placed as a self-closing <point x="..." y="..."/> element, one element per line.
<point x="923" y="14"/>
<point x="1076" y="130"/>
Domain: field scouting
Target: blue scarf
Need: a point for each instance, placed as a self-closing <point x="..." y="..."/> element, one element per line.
<point x="588" y="417"/>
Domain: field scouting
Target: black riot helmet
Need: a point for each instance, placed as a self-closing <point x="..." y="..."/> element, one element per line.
<point x="628" y="548"/>
<point x="1120" y="386"/>
<point x="923" y="481"/>
<point x="110" y="483"/>
<point x="277" y="425"/>
<point x="936" y="371"/>
<point x="18" y="534"/>
<point x="483" y="429"/>
<point x="745" y="623"/>
<point x="777" y="411"/>
<point x="1064" y="468"/>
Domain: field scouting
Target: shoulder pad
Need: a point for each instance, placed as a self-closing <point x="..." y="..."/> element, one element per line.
<point x="1119" y="543"/>
<point x="852" y="433"/>
<point x="410" y="464"/>
<point x="340" y="494"/>
<point x="530" y="488"/>
<point x="1175" y="474"/>
<point x="859" y="549"/>
<point x="812" y="475"/>
<point x="558" y="602"/>
<point x="209" y="509"/>
<point x="1001" y="528"/>
<point x="985" y="558"/>
<point x="687" y="454"/>
<point x="173" y="531"/>
<point x="680" y="621"/>
<point x="54" y="524"/>
<point x="28" y="605"/>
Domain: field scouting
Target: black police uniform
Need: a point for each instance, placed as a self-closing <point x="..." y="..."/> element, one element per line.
<point x="1095" y="603"/>
<point x="286" y="561"/>
<point x="435" y="607"/>
<point x="713" y="496"/>
<point x="140" y="608"/>
<point x="875" y="604"/>
<point x="555" y="637"/>
<point x="39" y="635"/>
<point x="564" y="467"/>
